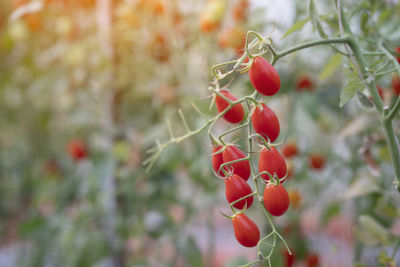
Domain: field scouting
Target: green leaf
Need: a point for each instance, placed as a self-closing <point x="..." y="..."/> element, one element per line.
<point x="315" y="19"/>
<point x="385" y="260"/>
<point x="334" y="62"/>
<point x="296" y="27"/>
<point x="350" y="89"/>
<point x="376" y="230"/>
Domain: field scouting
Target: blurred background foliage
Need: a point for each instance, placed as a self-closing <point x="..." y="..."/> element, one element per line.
<point x="85" y="89"/>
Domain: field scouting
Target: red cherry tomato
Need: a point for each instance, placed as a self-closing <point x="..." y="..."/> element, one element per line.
<point x="266" y="123"/>
<point x="272" y="162"/>
<point x="217" y="160"/>
<point x="276" y="199"/>
<point x="287" y="258"/>
<point x="304" y="83"/>
<point x="317" y="162"/>
<point x="77" y="149"/>
<point x="235" y="113"/>
<point x="290" y="150"/>
<point x="264" y="78"/>
<point x="241" y="168"/>
<point x="236" y="188"/>
<point x="246" y="231"/>
<point x="312" y="260"/>
<point x="396" y="84"/>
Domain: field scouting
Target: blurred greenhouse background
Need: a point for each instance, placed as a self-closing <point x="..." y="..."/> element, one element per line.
<point x="86" y="88"/>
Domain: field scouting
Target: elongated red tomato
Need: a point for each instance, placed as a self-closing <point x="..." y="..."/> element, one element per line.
<point x="236" y="188"/>
<point x="272" y="162"/>
<point x="266" y="123"/>
<point x="241" y="168"/>
<point x="235" y="114"/>
<point x="264" y="77"/>
<point x="217" y="160"/>
<point x="290" y="150"/>
<point x="276" y="199"/>
<point x="246" y="231"/>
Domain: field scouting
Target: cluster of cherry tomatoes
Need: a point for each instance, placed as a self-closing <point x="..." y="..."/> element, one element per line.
<point x="272" y="165"/>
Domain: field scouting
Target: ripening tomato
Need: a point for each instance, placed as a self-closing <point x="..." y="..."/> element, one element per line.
<point x="304" y="83"/>
<point x="212" y="15"/>
<point x="396" y="84"/>
<point x="295" y="198"/>
<point x="290" y="150"/>
<point x="317" y="161"/>
<point x="240" y="9"/>
<point x="312" y="260"/>
<point x="234" y="37"/>
<point x="272" y="162"/>
<point x="235" y="113"/>
<point x="266" y="123"/>
<point x="276" y="199"/>
<point x="287" y="258"/>
<point x="246" y="231"/>
<point x="264" y="77"/>
<point x="241" y="168"/>
<point x="217" y="160"/>
<point x="159" y="47"/>
<point x="34" y="21"/>
<point x="77" y="149"/>
<point x="236" y="188"/>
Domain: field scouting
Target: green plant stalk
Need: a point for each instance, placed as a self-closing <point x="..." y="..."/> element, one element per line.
<point x="393" y="150"/>
<point x="278" y="55"/>
<point x="386" y="115"/>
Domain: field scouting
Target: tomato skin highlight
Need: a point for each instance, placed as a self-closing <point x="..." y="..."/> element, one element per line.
<point x="241" y="168"/>
<point x="236" y="188"/>
<point x="217" y="160"/>
<point x="290" y="150"/>
<point x="276" y="199"/>
<point x="266" y="123"/>
<point x="246" y="231"/>
<point x="272" y="162"/>
<point x="264" y="77"/>
<point x="235" y="114"/>
<point x="316" y="161"/>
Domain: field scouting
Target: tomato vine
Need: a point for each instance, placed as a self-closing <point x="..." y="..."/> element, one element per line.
<point x="257" y="45"/>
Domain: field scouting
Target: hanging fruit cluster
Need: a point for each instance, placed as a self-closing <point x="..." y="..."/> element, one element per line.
<point x="232" y="164"/>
